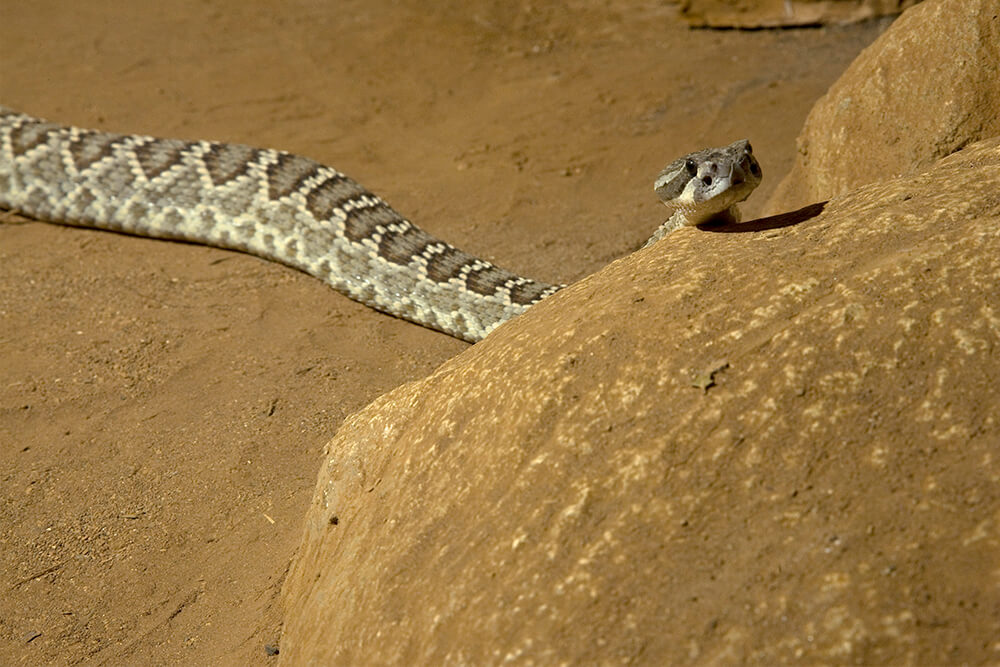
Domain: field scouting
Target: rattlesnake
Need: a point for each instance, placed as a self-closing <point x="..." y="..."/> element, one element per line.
<point x="309" y="216"/>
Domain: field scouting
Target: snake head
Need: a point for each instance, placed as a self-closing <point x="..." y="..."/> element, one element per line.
<point x="708" y="184"/>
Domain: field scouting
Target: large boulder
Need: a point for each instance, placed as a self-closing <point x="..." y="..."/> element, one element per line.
<point x="776" y="442"/>
<point x="924" y="89"/>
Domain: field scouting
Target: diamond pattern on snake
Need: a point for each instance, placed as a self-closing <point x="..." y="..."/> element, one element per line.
<point x="311" y="217"/>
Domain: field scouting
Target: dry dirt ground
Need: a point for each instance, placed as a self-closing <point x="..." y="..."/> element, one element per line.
<point x="163" y="406"/>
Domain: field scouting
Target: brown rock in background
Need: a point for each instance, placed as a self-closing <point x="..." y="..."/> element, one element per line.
<point x="752" y="14"/>
<point x="927" y="87"/>
<point x="767" y="446"/>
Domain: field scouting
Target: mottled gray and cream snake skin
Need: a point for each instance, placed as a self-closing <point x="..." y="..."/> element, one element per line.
<point x="303" y="214"/>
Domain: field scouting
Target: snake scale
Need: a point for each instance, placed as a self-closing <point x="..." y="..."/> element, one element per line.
<point x="311" y="217"/>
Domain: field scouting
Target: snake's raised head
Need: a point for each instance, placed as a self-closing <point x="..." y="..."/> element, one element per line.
<point x="708" y="185"/>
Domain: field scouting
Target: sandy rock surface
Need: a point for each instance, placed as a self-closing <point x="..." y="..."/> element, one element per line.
<point x="754" y="14"/>
<point x="688" y="458"/>
<point x="927" y="87"/>
<point x="163" y="407"/>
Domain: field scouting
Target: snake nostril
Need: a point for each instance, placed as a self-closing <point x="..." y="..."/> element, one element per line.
<point x="755" y="169"/>
<point x="707" y="180"/>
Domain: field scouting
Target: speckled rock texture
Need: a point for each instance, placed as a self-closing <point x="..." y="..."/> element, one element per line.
<point x="786" y="13"/>
<point x="776" y="442"/>
<point x="924" y="89"/>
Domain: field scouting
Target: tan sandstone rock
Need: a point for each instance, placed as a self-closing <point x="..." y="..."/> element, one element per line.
<point x="776" y="13"/>
<point x="927" y="87"/>
<point x="771" y="445"/>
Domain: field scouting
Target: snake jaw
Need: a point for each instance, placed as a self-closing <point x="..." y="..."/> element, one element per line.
<point x="708" y="184"/>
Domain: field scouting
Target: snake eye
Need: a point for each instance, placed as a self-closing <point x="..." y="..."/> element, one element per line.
<point x="691" y="167"/>
<point x="707" y="180"/>
<point x="749" y="148"/>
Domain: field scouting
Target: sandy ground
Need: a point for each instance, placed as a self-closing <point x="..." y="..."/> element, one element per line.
<point x="163" y="406"/>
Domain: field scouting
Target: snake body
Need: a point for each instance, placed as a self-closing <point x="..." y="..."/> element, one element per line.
<point x="272" y="204"/>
